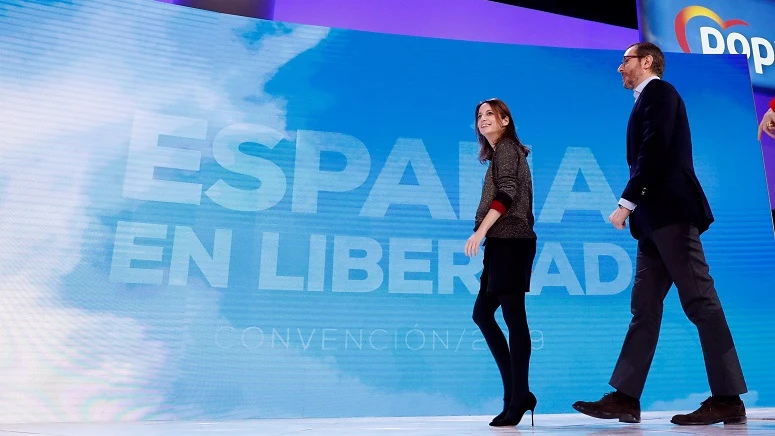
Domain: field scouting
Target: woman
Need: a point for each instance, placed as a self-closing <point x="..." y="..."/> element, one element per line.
<point x="505" y="218"/>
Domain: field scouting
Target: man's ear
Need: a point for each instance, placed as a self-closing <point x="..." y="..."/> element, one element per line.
<point x="648" y="61"/>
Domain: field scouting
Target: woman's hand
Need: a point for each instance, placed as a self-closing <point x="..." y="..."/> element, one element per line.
<point x="473" y="244"/>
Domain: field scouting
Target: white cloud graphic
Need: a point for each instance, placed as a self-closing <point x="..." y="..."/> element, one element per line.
<point x="73" y="76"/>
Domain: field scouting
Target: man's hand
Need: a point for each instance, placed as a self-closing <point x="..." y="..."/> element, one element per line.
<point x="768" y="124"/>
<point x="619" y="217"/>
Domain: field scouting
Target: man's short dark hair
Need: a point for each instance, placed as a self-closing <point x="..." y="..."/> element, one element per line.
<point x="644" y="49"/>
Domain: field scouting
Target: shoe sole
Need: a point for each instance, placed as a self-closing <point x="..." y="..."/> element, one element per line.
<point x="624" y="417"/>
<point x="737" y="420"/>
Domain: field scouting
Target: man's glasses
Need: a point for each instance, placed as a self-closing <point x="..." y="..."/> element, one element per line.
<point x="624" y="59"/>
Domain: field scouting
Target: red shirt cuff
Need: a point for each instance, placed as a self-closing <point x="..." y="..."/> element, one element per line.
<point x="772" y="104"/>
<point x="497" y="205"/>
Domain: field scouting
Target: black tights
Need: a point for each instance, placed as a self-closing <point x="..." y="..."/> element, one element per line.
<point x="513" y="365"/>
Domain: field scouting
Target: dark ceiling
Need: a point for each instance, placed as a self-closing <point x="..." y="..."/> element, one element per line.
<point x="622" y="13"/>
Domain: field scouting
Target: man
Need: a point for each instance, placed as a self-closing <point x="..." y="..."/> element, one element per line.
<point x="767" y="125"/>
<point x="668" y="211"/>
<point x="768" y="121"/>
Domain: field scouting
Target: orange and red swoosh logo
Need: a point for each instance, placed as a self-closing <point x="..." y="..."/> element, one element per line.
<point x="690" y="12"/>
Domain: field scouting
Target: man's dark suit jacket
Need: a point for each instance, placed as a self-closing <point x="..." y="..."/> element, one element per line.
<point x="662" y="183"/>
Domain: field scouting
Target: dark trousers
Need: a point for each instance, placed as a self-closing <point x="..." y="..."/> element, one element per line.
<point x="673" y="254"/>
<point x="504" y="282"/>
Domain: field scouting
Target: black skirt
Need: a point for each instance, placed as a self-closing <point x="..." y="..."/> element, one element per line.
<point x="508" y="264"/>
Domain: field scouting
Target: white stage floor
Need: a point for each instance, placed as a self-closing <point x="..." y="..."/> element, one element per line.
<point x="760" y="422"/>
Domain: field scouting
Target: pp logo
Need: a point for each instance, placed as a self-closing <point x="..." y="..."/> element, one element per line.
<point x="713" y="41"/>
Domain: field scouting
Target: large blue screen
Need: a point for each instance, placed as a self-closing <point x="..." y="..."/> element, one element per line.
<point x="212" y="217"/>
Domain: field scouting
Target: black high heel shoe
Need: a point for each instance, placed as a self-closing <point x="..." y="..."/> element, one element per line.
<point x="503" y="413"/>
<point x="514" y="414"/>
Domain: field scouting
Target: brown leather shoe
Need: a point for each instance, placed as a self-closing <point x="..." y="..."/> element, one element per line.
<point x="613" y="405"/>
<point x="712" y="411"/>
